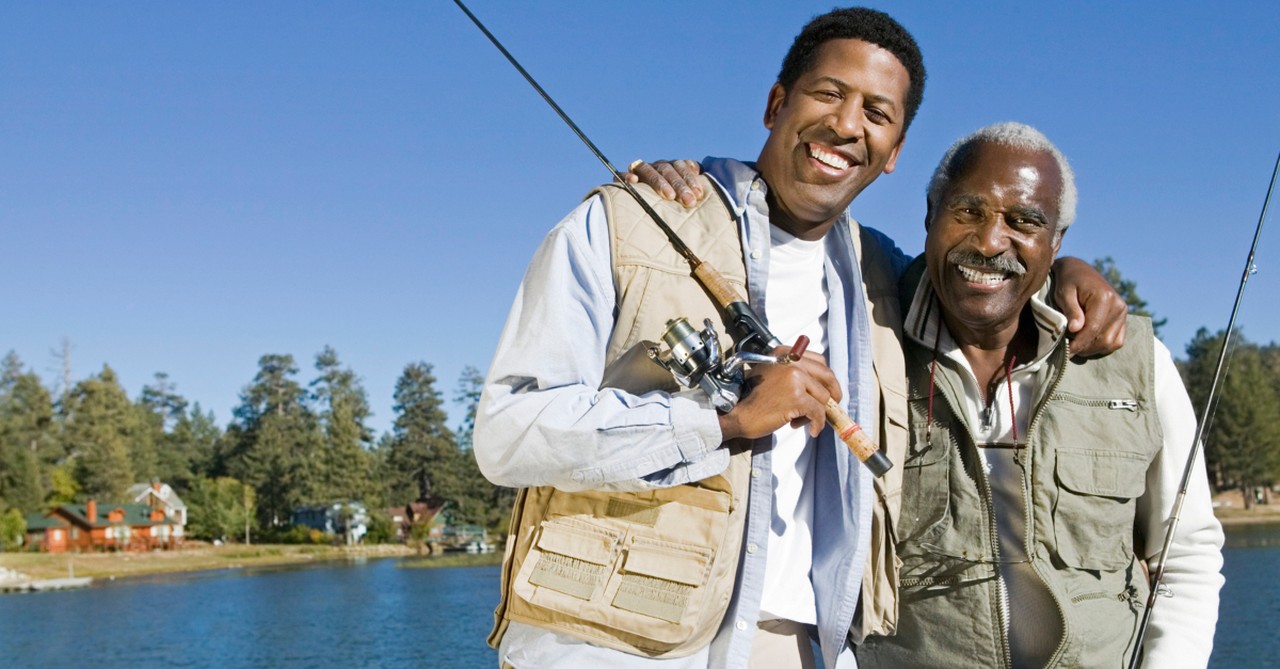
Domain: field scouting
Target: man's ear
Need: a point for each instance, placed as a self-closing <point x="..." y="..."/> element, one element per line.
<point x="777" y="98"/>
<point x="893" y="155"/>
<point x="928" y="213"/>
<point x="1057" y="241"/>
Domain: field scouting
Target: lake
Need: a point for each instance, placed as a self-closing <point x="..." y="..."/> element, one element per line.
<point x="377" y="613"/>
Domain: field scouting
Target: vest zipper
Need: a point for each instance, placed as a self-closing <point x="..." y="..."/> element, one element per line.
<point x="1063" y="361"/>
<point x="993" y="538"/>
<point x="1122" y="404"/>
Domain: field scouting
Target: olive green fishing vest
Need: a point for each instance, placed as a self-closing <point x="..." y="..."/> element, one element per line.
<point x="649" y="573"/>
<point x="1093" y="434"/>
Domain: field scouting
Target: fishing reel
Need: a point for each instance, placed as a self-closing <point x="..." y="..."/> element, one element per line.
<point x="693" y="357"/>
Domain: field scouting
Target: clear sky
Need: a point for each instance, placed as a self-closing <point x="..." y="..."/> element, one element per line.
<point x="185" y="187"/>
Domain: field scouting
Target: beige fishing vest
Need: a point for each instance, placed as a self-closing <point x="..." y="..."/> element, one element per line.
<point x="649" y="573"/>
<point x="878" y="608"/>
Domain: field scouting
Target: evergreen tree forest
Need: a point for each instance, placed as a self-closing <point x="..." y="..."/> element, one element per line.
<point x="298" y="436"/>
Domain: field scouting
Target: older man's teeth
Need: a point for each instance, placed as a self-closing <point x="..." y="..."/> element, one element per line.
<point x="974" y="276"/>
<point x="827" y="158"/>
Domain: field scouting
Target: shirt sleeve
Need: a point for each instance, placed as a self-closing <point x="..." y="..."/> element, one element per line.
<point x="542" y="417"/>
<point x="1182" y="625"/>
<point x="898" y="260"/>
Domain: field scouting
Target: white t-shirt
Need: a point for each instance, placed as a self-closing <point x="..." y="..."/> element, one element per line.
<point x="795" y="304"/>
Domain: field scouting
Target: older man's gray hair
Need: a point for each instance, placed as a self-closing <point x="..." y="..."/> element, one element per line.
<point x="1020" y="136"/>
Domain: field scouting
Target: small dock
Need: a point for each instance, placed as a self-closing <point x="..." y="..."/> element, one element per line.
<point x="11" y="581"/>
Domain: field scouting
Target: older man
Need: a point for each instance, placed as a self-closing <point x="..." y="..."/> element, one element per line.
<point x="1035" y="484"/>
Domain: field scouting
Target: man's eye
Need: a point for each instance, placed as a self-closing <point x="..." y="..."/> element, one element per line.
<point x="876" y="116"/>
<point x="827" y="95"/>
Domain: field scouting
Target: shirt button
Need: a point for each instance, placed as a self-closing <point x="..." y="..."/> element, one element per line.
<point x="755" y="185"/>
<point x="741" y="625"/>
<point x="755" y="255"/>
<point x="752" y="548"/>
<point x="755" y="472"/>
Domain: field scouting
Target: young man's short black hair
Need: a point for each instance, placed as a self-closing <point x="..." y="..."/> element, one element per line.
<point x="865" y="24"/>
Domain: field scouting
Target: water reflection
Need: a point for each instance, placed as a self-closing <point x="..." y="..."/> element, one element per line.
<point x="1253" y="536"/>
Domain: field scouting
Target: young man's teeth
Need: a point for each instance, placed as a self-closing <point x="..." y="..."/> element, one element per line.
<point x="828" y="158"/>
<point x="974" y="276"/>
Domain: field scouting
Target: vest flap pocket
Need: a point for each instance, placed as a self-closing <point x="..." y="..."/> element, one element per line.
<point x="1102" y="473"/>
<point x="667" y="563"/>
<point x="1093" y="513"/>
<point x="576" y="543"/>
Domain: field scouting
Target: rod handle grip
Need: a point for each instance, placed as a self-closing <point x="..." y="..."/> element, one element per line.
<point x="857" y="440"/>
<point x="721" y="290"/>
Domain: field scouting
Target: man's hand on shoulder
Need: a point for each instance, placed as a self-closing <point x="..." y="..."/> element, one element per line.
<point x="1095" y="311"/>
<point x="672" y="179"/>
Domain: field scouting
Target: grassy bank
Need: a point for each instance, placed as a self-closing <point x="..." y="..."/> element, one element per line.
<point x="197" y="558"/>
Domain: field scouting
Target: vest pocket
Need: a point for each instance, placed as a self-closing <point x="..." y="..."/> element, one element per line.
<point x="634" y="567"/>
<point x="1094" y="511"/>
<point x="926" y="488"/>
<point x="659" y="581"/>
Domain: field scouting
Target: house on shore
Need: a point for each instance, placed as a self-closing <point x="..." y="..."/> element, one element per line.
<point x="424" y="514"/>
<point x="81" y="527"/>
<point x="160" y="496"/>
<point x="348" y="520"/>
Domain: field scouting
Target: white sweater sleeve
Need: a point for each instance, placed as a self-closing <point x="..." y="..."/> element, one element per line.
<point x="1182" y="625"/>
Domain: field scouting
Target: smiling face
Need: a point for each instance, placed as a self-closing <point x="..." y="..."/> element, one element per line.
<point x="837" y="129"/>
<point x="992" y="237"/>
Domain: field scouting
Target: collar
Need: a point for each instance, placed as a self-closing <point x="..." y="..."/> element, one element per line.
<point x="924" y="318"/>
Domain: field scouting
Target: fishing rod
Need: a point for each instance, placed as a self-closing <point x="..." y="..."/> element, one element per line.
<point x="754" y="333"/>
<point x="1206" y="417"/>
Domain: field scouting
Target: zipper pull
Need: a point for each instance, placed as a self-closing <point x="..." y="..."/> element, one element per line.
<point x="1127" y="405"/>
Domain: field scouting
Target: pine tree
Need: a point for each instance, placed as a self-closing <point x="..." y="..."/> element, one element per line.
<point x="26" y="436"/>
<point x="195" y="436"/>
<point x="1128" y="290"/>
<point x="421" y="462"/>
<point x="160" y="408"/>
<point x="483" y="503"/>
<point x="273" y="441"/>
<point x="1242" y="443"/>
<point x="343" y="409"/>
<point x="99" y="425"/>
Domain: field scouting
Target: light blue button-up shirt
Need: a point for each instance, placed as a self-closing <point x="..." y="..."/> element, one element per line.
<point x="543" y="420"/>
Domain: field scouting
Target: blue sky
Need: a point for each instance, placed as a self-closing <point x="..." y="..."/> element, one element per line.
<point x="186" y="187"/>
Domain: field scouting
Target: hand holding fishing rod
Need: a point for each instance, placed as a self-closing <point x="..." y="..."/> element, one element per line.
<point x="753" y="336"/>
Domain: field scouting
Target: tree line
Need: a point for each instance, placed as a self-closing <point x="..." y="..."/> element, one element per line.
<point x="289" y="443"/>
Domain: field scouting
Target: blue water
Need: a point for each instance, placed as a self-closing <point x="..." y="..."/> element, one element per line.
<point x="372" y="614"/>
<point x="377" y="614"/>
<point x="1248" y="635"/>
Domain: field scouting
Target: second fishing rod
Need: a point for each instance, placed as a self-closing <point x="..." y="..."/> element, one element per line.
<point x="690" y="353"/>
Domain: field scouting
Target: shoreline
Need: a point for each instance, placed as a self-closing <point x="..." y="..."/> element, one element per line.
<point x="1258" y="515"/>
<point x="18" y="571"/>
<point x="39" y="567"/>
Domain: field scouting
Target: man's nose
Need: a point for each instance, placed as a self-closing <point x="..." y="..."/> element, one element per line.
<point x="847" y="121"/>
<point x="992" y="239"/>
